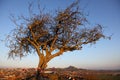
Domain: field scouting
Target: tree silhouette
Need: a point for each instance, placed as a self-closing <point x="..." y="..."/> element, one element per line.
<point x="51" y="35"/>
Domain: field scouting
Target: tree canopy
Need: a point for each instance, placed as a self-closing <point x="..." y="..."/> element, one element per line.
<point x="44" y="33"/>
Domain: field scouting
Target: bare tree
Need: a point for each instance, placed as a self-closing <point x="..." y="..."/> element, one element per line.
<point x="52" y="35"/>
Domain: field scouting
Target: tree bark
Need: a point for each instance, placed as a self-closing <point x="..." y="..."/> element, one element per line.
<point x="41" y="67"/>
<point x="43" y="60"/>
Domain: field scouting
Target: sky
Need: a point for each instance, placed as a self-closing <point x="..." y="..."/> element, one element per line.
<point x="105" y="54"/>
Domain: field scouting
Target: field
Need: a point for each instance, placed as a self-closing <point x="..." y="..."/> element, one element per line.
<point x="70" y="73"/>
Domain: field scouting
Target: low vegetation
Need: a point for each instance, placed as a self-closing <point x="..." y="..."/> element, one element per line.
<point x="70" y="73"/>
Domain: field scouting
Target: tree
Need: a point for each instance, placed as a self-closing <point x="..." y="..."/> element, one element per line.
<point x="52" y="35"/>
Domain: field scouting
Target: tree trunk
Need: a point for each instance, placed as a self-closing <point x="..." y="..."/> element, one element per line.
<point x="43" y="60"/>
<point x="41" y="66"/>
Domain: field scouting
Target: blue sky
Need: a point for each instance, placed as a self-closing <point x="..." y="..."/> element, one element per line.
<point x="103" y="55"/>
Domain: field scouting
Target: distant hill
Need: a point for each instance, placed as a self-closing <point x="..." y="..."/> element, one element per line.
<point x="71" y="68"/>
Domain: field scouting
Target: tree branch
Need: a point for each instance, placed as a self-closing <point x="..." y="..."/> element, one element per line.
<point x="60" y="52"/>
<point x="36" y="47"/>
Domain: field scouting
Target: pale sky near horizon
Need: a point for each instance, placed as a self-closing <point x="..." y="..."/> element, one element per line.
<point x="105" y="54"/>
